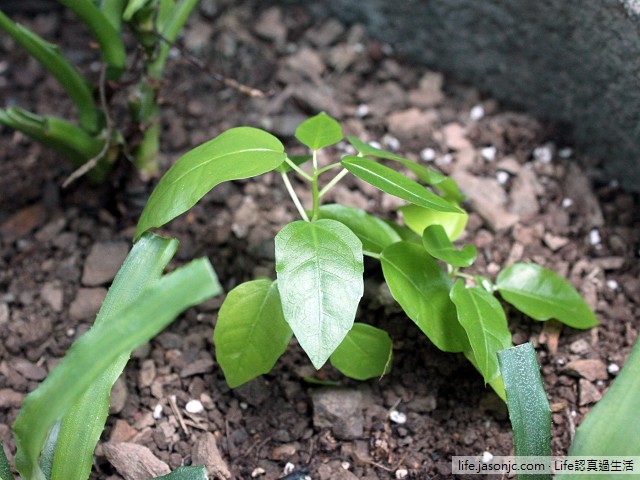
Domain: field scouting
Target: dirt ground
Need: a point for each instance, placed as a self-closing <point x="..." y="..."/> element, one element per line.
<point x="530" y="201"/>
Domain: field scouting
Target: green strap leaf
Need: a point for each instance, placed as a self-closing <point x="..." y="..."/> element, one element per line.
<point x="319" y="131"/>
<point x="319" y="266"/>
<point x="437" y="243"/>
<point x="374" y="233"/>
<point x="241" y="152"/>
<point x="84" y="421"/>
<point x="446" y="185"/>
<point x="99" y="348"/>
<point x="543" y="294"/>
<point x="419" y="218"/>
<point x="529" y="409"/>
<point x="198" y="472"/>
<point x="365" y="353"/>
<point x="483" y="318"/>
<point x="421" y="288"/>
<point x="396" y="184"/>
<point x="49" y="56"/>
<point x="251" y="332"/>
<point x="5" y="468"/>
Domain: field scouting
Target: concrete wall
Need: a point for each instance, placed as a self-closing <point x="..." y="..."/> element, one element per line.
<point x="576" y="61"/>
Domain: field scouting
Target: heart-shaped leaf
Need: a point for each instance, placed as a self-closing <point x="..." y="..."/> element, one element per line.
<point x="396" y="184"/>
<point x="251" y="333"/>
<point x="319" y="131"/>
<point x="543" y="294"/>
<point x="319" y="266"/>
<point x="374" y="233"/>
<point x="241" y="152"/>
<point x="483" y="318"/>
<point x="419" y="218"/>
<point x="364" y="353"/>
<point x="421" y="288"/>
<point x="437" y="243"/>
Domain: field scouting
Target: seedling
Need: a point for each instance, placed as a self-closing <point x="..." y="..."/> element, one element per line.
<point x="319" y="261"/>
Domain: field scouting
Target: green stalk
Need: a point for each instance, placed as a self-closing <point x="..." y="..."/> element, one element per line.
<point x="107" y="36"/>
<point x="49" y="56"/>
<point x="113" y="10"/>
<point x="316" y="196"/>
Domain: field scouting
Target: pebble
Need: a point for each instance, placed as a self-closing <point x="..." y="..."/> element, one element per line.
<point x="566" y="202"/>
<point x="103" y="262"/>
<point x="397" y="417"/>
<point x="28" y="370"/>
<point x="362" y="110"/>
<point x="157" y="412"/>
<point x="194" y="406"/>
<point x="502" y="177"/>
<point x="612" y="284"/>
<point x="486" y="457"/>
<point x="411" y="123"/>
<point x="594" y="237"/>
<point x="119" y="395"/>
<point x="402" y="473"/>
<point x="10" y="398"/>
<point x="147" y="373"/>
<point x="340" y="410"/>
<point x="53" y="294"/>
<point x="579" y="347"/>
<point x="257" y="472"/>
<point x="133" y="461"/>
<point x="270" y="25"/>
<point x="591" y="369"/>
<point x="613" y="368"/>
<point x="203" y="365"/>
<point x="428" y="154"/>
<point x="588" y="393"/>
<point x="476" y="113"/>
<point x="489" y="153"/>
<point x="87" y="303"/>
<point x="4" y="314"/>
<point x="283" y="452"/>
<point x="543" y="153"/>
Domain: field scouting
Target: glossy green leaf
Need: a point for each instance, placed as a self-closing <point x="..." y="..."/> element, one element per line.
<point x="496" y="384"/>
<point x="84" y="421"/>
<point x="543" y="294"/>
<point x="529" y="409"/>
<point x="419" y="218"/>
<point x="365" y="353"/>
<point x="373" y="232"/>
<point x="251" y="332"/>
<point x="198" y="472"/>
<point x="437" y="243"/>
<point x="319" y="131"/>
<point x="5" y="468"/>
<point x="405" y="233"/>
<point x="132" y="7"/>
<point x="98" y="349"/>
<point x="296" y="159"/>
<point x="483" y="318"/>
<point x="241" y="152"/>
<point x="396" y="184"/>
<point x="446" y="185"/>
<point x="319" y="266"/>
<point x="421" y="288"/>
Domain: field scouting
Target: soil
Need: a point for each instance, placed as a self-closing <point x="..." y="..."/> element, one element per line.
<point x="529" y="200"/>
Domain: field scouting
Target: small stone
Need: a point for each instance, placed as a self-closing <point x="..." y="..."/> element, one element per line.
<point x="203" y="365"/>
<point x="4" y="314"/>
<point x="29" y="370"/>
<point x="489" y="153"/>
<point x="613" y="368"/>
<point x="103" y="262"/>
<point x="580" y="347"/>
<point x="554" y="242"/>
<point x="10" y="398"/>
<point x="340" y="410"/>
<point x="147" y="373"/>
<point x="486" y="457"/>
<point x="87" y="303"/>
<point x="283" y="452"/>
<point x="362" y="110"/>
<point x="502" y="177"/>
<point x="594" y="237"/>
<point x="543" y="153"/>
<point x="423" y="403"/>
<point x="524" y="200"/>
<point x="402" y="473"/>
<point x="588" y="393"/>
<point x="119" y="394"/>
<point x="428" y="154"/>
<point x="257" y="472"/>
<point x="476" y="113"/>
<point x="591" y="369"/>
<point x="157" y="412"/>
<point x="411" y="123"/>
<point x="205" y="452"/>
<point x="271" y="26"/>
<point x="194" y="406"/>
<point x="397" y="417"/>
<point x="244" y="217"/>
<point x="134" y="462"/>
<point x="53" y="294"/>
<point x="429" y="93"/>
<point x="122" y="432"/>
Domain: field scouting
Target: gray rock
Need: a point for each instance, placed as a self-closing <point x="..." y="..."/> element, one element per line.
<point x="588" y="393"/>
<point x="87" y="303"/>
<point x="53" y="294"/>
<point x="103" y="262"/>
<point x="340" y="410"/>
<point x="591" y="369"/>
<point x="4" y="314"/>
<point x="119" y="394"/>
<point x="10" y="398"/>
<point x="28" y="370"/>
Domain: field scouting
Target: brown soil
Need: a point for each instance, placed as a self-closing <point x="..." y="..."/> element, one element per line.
<point x="544" y="209"/>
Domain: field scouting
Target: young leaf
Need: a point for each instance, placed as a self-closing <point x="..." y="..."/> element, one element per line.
<point x="610" y="427"/>
<point x="446" y="185"/>
<point x="543" y="294"/>
<point x="374" y="233"/>
<point x="529" y="409"/>
<point x="198" y="472"/>
<point x="396" y="184"/>
<point x="421" y="288"/>
<point x="419" y="218"/>
<point x="99" y="348"/>
<point x="436" y="242"/>
<point x="241" y="152"/>
<point x="364" y="353"/>
<point x="251" y="333"/>
<point x="319" y="131"/>
<point x="482" y="317"/>
<point x="5" y="468"/>
<point x="319" y="266"/>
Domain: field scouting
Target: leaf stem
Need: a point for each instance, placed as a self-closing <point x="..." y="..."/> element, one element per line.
<point x="329" y="167"/>
<point x="294" y="197"/>
<point x="371" y="254"/>
<point x="298" y="170"/>
<point x="333" y="181"/>
<point x="315" y="161"/>
<point x="316" y="195"/>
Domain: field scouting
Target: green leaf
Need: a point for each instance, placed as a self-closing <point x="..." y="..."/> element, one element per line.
<point x="198" y="472"/>
<point x="84" y="421"/>
<point x="241" y="152"/>
<point x="612" y="425"/>
<point x="319" y="266"/>
<point x="5" y="468"/>
<point x="543" y="294"/>
<point x="483" y="318"/>
<point x="529" y="409"/>
<point x="319" y="131"/>
<point x="251" y="332"/>
<point x="365" y="353"/>
<point x="98" y="349"/>
<point x="446" y="185"/>
<point x="421" y="288"/>
<point x="496" y="384"/>
<point x="297" y="159"/>
<point x="437" y="243"/>
<point x="132" y="7"/>
<point x="374" y="233"/>
<point x="396" y="184"/>
<point x="419" y="218"/>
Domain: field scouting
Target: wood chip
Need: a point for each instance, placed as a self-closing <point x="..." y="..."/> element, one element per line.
<point x="134" y="462"/>
<point x="205" y="452"/>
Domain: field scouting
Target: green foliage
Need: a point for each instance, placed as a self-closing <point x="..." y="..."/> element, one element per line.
<point x="529" y="409"/>
<point x="187" y="473"/>
<point x="5" y="468"/>
<point x="319" y="262"/>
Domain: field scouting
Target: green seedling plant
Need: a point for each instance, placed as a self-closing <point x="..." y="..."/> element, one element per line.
<point x="61" y="421"/>
<point x="94" y="143"/>
<point x="319" y="261"/>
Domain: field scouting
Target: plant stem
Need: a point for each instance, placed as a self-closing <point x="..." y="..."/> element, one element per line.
<point x="329" y="167"/>
<point x="371" y="254"/>
<point x="333" y="181"/>
<point x="298" y="170"/>
<point x="315" y="193"/>
<point x="294" y="197"/>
